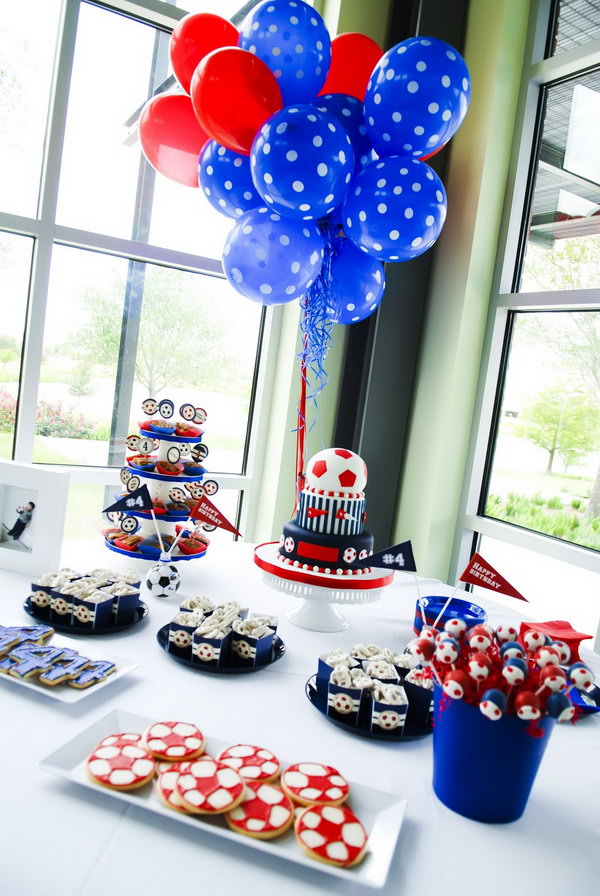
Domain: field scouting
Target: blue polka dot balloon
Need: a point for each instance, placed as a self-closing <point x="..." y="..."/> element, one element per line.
<point x="357" y="285"/>
<point x="395" y="208"/>
<point x="302" y="162"/>
<point x="292" y="39"/>
<point x="271" y="259"/>
<point x="417" y="97"/>
<point x="225" y="179"/>
<point x="351" y="113"/>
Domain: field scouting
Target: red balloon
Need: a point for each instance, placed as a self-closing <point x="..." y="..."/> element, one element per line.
<point x="233" y="93"/>
<point x="171" y="137"/>
<point x="353" y="58"/>
<point x="193" y="38"/>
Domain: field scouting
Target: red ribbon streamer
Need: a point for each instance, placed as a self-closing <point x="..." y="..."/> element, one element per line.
<point x="301" y="432"/>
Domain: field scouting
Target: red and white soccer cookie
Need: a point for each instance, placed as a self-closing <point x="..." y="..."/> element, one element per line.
<point x="331" y="834"/>
<point x="174" y="741"/>
<point x="121" y="765"/>
<point x="125" y="737"/>
<point x="253" y="763"/>
<point x="310" y="782"/>
<point x="265" y="812"/>
<point x="168" y="765"/>
<point x="208" y="787"/>
<point x="166" y="789"/>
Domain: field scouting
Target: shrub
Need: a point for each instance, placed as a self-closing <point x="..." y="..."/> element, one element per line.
<point x="576" y="503"/>
<point x="8" y="410"/>
<point x="58" y="422"/>
<point x="555" y="503"/>
<point x="538" y="499"/>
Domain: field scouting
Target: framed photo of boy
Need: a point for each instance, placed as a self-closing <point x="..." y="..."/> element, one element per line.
<point x="33" y="503"/>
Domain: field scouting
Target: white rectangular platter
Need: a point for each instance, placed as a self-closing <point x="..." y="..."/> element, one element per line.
<point x="64" y="693"/>
<point x="381" y="813"/>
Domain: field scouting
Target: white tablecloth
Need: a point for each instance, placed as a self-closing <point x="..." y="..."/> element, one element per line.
<point x="58" y="838"/>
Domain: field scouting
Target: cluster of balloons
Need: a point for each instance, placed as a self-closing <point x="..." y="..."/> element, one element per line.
<point x="316" y="146"/>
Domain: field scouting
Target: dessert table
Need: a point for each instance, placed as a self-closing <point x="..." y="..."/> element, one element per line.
<point x="59" y="838"/>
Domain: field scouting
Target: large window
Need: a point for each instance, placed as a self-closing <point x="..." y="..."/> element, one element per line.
<point x="110" y="275"/>
<point x="532" y="495"/>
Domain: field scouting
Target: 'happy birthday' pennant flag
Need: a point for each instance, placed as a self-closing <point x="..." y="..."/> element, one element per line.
<point x="137" y="500"/>
<point x="480" y="572"/>
<point x="206" y="512"/>
<point x="398" y="556"/>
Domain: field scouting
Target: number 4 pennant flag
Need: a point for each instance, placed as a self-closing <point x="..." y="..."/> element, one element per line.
<point x="206" y="512"/>
<point x="398" y="556"/>
<point x="480" y="572"/>
<point x="137" y="500"/>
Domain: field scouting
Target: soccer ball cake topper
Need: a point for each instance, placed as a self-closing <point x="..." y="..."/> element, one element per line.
<point x="162" y="580"/>
<point x="336" y="470"/>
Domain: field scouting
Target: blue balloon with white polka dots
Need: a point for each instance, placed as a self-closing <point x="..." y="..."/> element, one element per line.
<point x="272" y="259"/>
<point x="226" y="181"/>
<point x="302" y="162"/>
<point x="395" y="208"/>
<point x="357" y="285"/>
<point x="417" y="97"/>
<point x="292" y="39"/>
<point x="351" y="113"/>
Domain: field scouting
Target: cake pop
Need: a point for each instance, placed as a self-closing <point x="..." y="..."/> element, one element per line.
<point x="533" y="640"/>
<point x="581" y="676"/>
<point x="515" y="671"/>
<point x="480" y="638"/>
<point x="447" y="651"/>
<point x="455" y="627"/>
<point x="506" y="632"/>
<point x="456" y="684"/>
<point x="527" y="705"/>
<point x="564" y="651"/>
<point x="479" y="666"/>
<point x="422" y="649"/>
<point x="511" y="649"/>
<point x="493" y="704"/>
<point x="560" y="708"/>
<point x="553" y="678"/>
<point x="546" y="655"/>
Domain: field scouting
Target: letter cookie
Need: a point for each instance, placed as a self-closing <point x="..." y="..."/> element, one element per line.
<point x="253" y="763"/>
<point x="97" y="671"/>
<point x="69" y="665"/>
<point x="33" y="659"/>
<point x="122" y="765"/>
<point x="331" y="834"/>
<point x="208" y="787"/>
<point x="265" y="812"/>
<point x="310" y="782"/>
<point x="174" y="740"/>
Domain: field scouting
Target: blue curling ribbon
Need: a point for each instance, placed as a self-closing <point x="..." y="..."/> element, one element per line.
<point x="316" y="323"/>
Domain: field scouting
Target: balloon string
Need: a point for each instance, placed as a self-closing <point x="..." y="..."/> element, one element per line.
<point x="316" y="327"/>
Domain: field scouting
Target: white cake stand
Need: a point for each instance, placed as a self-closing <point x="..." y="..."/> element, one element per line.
<point x="319" y="591"/>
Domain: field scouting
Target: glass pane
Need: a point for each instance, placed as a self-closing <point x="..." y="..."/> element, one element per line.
<point x="184" y="336"/>
<point x="27" y="47"/>
<point x="15" y="265"/>
<point x="554" y="589"/>
<point x="545" y="473"/>
<point x="576" y="22"/>
<point x="563" y="243"/>
<point x="224" y="8"/>
<point x="99" y="169"/>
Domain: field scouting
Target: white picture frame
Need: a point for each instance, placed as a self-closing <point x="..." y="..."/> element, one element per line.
<point x="33" y="545"/>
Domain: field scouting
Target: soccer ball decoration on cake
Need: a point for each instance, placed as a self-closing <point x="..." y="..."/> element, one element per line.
<point x="162" y="580"/>
<point x="326" y="540"/>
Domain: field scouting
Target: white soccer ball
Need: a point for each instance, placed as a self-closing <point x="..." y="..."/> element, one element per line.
<point x="336" y="470"/>
<point x="162" y="580"/>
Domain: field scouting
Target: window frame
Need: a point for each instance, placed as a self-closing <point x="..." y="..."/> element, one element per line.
<point x="538" y="73"/>
<point x="46" y="233"/>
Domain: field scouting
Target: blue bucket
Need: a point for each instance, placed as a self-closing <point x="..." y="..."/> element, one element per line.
<point x="484" y="769"/>
<point x="457" y="609"/>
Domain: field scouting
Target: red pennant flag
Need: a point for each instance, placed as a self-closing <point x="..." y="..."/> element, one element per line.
<point x="312" y="512"/>
<point x="206" y="512"/>
<point x="479" y="572"/>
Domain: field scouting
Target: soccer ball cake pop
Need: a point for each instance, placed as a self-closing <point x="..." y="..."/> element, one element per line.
<point x="564" y="651"/>
<point x="506" y="632"/>
<point x="455" y="627"/>
<point x="512" y="649"/>
<point x="560" y="708"/>
<point x="515" y="671"/>
<point x="456" y="684"/>
<point x="479" y="666"/>
<point x="581" y="676"/>
<point x="493" y="704"/>
<point x="527" y="705"/>
<point x="480" y="638"/>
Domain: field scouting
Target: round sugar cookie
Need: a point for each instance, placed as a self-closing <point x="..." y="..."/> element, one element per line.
<point x="208" y="787"/>
<point x="265" y="812"/>
<point x="331" y="834"/>
<point x="167" y="765"/>
<point x="125" y="737"/>
<point x="175" y="741"/>
<point x="122" y="765"/>
<point x="253" y="763"/>
<point x="166" y="790"/>
<point x="308" y="783"/>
